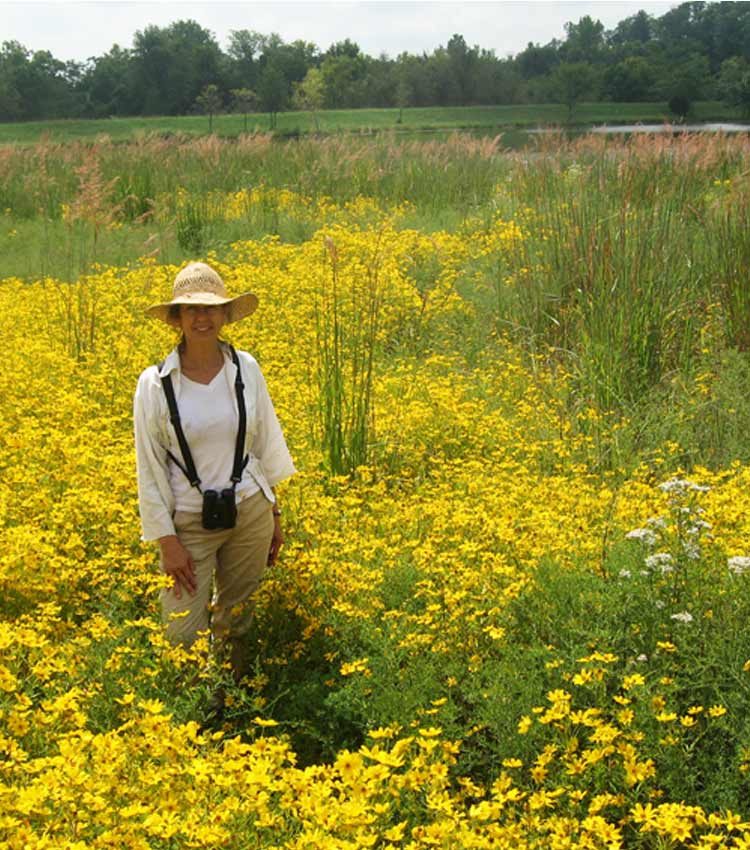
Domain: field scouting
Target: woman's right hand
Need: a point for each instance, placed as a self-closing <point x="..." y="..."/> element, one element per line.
<point x="178" y="564"/>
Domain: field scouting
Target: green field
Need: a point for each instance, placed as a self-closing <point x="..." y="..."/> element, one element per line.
<point x="364" y="120"/>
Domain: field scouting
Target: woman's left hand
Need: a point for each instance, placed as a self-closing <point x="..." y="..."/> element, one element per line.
<point x="277" y="541"/>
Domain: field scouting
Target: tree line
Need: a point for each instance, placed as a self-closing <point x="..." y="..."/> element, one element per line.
<point x="698" y="50"/>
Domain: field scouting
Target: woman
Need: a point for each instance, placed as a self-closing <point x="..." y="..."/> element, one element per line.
<point x="208" y="460"/>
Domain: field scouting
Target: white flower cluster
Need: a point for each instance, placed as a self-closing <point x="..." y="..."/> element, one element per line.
<point x="660" y="561"/>
<point x="656" y="522"/>
<point x="644" y="535"/>
<point x="681" y="486"/>
<point x="691" y="549"/>
<point x="738" y="564"/>
<point x="681" y="532"/>
<point x="683" y="617"/>
<point x="672" y="542"/>
<point x="700" y="525"/>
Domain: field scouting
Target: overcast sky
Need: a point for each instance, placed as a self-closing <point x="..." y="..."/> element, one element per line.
<point x="78" y="30"/>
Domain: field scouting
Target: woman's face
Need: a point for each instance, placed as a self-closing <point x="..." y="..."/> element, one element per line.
<point x="201" y="322"/>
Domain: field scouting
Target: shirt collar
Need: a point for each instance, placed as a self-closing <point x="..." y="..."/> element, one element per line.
<point x="172" y="361"/>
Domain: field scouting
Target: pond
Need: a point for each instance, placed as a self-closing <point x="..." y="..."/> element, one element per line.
<point x="516" y="138"/>
<point x="519" y="137"/>
<point x="627" y="129"/>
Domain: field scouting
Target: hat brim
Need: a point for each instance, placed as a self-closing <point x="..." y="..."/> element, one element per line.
<point x="238" y="307"/>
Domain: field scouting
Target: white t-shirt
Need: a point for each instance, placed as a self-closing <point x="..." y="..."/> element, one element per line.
<point x="209" y="420"/>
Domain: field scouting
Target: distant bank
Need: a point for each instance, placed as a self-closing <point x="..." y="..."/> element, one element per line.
<point x="290" y="124"/>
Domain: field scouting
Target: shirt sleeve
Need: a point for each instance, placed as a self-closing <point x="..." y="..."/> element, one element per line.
<point x="269" y="445"/>
<point x="151" y="465"/>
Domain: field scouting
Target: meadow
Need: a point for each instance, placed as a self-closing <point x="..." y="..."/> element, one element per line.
<point x="512" y="607"/>
<point x="330" y="121"/>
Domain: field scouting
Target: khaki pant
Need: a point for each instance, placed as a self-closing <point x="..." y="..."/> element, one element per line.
<point x="228" y="565"/>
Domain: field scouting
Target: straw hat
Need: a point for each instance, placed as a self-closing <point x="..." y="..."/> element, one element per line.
<point x="198" y="283"/>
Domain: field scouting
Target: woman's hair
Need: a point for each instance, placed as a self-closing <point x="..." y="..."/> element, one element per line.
<point x="173" y="316"/>
<point x="174" y="311"/>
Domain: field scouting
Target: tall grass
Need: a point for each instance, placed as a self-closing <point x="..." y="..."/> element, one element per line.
<point x="625" y="252"/>
<point x="346" y="323"/>
<point x="632" y="252"/>
<point x="38" y="180"/>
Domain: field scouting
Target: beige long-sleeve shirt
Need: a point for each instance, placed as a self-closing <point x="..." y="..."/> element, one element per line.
<point x="269" y="459"/>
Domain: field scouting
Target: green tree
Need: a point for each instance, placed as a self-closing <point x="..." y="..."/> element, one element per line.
<point x="171" y="66"/>
<point x="36" y="86"/>
<point x="571" y="82"/>
<point x="244" y="51"/>
<point x="379" y="82"/>
<point x="14" y="62"/>
<point x="11" y="107"/>
<point x="107" y="84"/>
<point x="342" y="75"/>
<point x="462" y="66"/>
<point x="538" y="61"/>
<point x="210" y="101"/>
<point x="293" y="60"/>
<point x="309" y="94"/>
<point x="630" y="80"/>
<point x="446" y="84"/>
<point x="637" y="29"/>
<point x="347" y="47"/>
<point x="584" y="41"/>
<point x="734" y="83"/>
<point x="496" y="80"/>
<point x="244" y="101"/>
<point x="415" y="72"/>
<point x="686" y="75"/>
<point x="273" y="92"/>
<point x="678" y="25"/>
<point x="723" y="30"/>
<point x="52" y="86"/>
<point x="151" y="69"/>
<point x="404" y="97"/>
